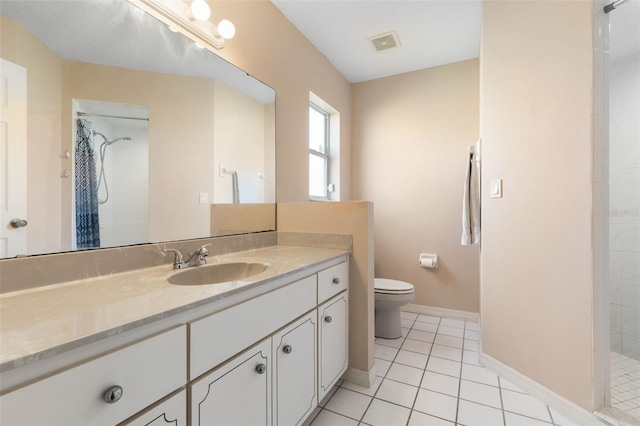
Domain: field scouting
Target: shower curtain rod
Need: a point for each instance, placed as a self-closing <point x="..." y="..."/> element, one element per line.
<point x="608" y="8"/>
<point x="88" y="114"/>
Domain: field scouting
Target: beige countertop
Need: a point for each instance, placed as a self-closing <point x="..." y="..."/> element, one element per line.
<point x="39" y="323"/>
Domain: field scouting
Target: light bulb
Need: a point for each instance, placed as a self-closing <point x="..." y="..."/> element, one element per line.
<point x="200" y="10"/>
<point x="226" y="29"/>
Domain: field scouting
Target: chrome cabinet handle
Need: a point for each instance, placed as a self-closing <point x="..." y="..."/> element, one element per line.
<point x="336" y="281"/>
<point x="18" y="223"/>
<point x="112" y="394"/>
<point x="261" y="368"/>
<point x="287" y="349"/>
<point x="328" y="319"/>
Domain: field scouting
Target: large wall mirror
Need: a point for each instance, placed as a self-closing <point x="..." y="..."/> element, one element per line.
<point x="117" y="131"/>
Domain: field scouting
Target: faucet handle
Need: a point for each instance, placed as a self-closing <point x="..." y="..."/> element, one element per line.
<point x="178" y="260"/>
<point x="203" y="250"/>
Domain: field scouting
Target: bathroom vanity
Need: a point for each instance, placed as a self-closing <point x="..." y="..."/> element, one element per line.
<point x="131" y="348"/>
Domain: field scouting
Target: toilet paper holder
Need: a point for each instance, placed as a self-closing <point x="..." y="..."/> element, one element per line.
<point x="428" y="260"/>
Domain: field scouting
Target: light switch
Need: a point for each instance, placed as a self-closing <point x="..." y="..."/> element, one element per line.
<point x="496" y="188"/>
<point x="204" y="198"/>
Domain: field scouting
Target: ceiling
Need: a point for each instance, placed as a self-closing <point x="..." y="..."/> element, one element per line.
<point x="431" y="33"/>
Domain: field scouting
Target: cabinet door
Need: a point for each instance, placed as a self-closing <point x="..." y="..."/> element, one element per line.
<point x="170" y="412"/>
<point x="294" y="380"/>
<point x="334" y="344"/>
<point x="238" y="393"/>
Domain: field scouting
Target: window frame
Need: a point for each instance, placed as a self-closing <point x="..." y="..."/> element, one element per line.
<point x="324" y="155"/>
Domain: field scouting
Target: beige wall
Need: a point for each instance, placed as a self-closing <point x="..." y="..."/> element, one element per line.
<point x="271" y="49"/>
<point x="410" y="138"/>
<point x="44" y="75"/>
<point x="239" y="134"/>
<point x="230" y="219"/>
<point x="355" y="218"/>
<point x="536" y="263"/>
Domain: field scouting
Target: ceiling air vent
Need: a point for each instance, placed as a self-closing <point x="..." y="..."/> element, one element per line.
<point x="385" y="41"/>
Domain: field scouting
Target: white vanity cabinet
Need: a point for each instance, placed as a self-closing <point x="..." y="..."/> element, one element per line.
<point x="264" y="357"/>
<point x="105" y="390"/>
<point x="333" y="326"/>
<point x="273" y="382"/>
<point x="280" y="380"/>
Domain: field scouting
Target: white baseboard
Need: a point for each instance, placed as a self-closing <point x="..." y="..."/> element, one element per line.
<point x="441" y="312"/>
<point x="360" y="377"/>
<point x="565" y="407"/>
<point x="614" y="417"/>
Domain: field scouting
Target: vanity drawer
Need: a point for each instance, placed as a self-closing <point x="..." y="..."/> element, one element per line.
<point x="218" y="337"/>
<point x="332" y="281"/>
<point x="146" y="371"/>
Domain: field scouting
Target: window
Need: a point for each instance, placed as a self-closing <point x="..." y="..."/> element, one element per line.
<point x="318" y="153"/>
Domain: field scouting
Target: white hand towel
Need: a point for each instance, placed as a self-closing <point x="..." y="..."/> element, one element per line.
<point x="471" y="199"/>
<point x="250" y="188"/>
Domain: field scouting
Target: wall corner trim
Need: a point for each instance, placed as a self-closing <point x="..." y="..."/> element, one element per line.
<point x="360" y="377"/>
<point x="565" y="407"/>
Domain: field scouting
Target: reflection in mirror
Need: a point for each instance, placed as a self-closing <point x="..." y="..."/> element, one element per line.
<point x="205" y="148"/>
<point x="111" y="179"/>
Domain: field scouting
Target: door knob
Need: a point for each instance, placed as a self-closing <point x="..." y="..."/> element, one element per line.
<point x="287" y="349"/>
<point x="18" y="223"/>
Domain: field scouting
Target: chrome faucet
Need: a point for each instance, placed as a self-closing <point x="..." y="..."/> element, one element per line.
<point x="197" y="257"/>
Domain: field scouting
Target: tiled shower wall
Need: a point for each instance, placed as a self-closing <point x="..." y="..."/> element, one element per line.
<point x="124" y="218"/>
<point x="624" y="203"/>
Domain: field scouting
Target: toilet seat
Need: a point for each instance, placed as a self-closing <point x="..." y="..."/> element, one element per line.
<point x="387" y="286"/>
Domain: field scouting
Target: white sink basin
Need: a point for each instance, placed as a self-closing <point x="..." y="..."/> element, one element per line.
<point x="217" y="273"/>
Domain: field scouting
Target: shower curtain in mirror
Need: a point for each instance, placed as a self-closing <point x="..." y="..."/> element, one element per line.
<point x="87" y="220"/>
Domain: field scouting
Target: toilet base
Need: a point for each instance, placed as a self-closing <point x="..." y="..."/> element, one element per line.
<point x="388" y="325"/>
<point x="387" y="314"/>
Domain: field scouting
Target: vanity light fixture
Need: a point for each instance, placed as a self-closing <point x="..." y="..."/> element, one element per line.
<point x="191" y="17"/>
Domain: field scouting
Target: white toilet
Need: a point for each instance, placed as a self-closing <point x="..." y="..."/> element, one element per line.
<point x="390" y="296"/>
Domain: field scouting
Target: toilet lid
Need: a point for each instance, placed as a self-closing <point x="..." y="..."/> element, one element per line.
<point x="384" y="285"/>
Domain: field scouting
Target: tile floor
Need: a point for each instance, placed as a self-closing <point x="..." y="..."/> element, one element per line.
<point x="625" y="384"/>
<point x="431" y="376"/>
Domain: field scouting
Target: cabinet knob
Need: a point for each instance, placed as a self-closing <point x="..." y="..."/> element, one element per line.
<point x="328" y="319"/>
<point x="287" y="349"/>
<point x="261" y="368"/>
<point x="336" y="281"/>
<point x="113" y="394"/>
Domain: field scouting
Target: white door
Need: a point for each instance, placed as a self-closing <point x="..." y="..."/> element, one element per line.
<point x="238" y="393"/>
<point x="333" y="328"/>
<point x="294" y="379"/>
<point x="13" y="158"/>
